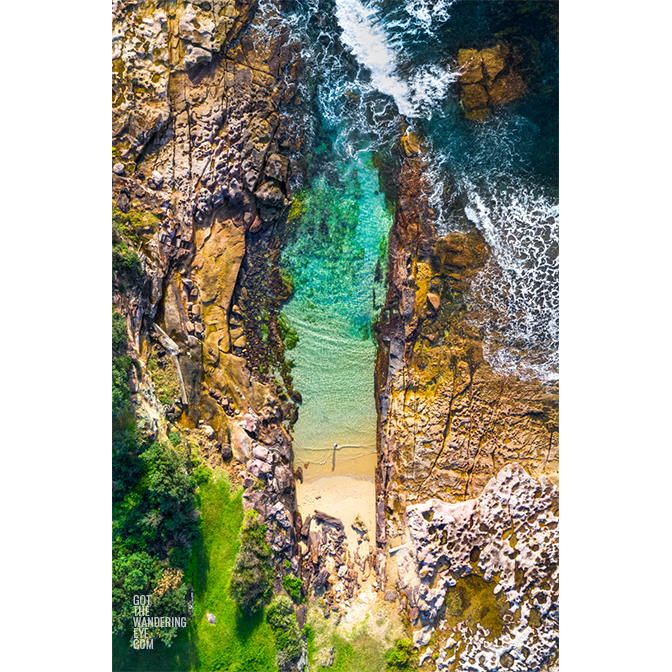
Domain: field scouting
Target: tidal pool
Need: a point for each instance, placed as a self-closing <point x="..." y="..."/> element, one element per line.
<point x="337" y="259"/>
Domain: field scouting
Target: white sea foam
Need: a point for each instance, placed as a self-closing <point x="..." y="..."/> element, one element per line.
<point x="429" y="13"/>
<point x="520" y="297"/>
<point x="365" y="35"/>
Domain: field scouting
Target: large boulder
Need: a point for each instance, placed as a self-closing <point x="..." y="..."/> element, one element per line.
<point x="488" y="78"/>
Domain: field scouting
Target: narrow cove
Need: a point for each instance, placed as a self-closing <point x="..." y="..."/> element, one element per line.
<point x="337" y="261"/>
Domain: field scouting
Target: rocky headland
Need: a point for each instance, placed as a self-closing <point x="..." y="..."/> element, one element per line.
<point x="451" y="431"/>
<point x="207" y="136"/>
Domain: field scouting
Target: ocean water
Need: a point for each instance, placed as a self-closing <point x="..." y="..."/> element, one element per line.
<point x="374" y="67"/>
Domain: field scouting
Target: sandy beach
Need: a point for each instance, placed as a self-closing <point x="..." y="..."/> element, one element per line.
<point x="346" y="492"/>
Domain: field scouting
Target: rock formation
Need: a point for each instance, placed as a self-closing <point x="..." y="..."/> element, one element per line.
<point x="206" y="136"/>
<point x="448" y="425"/>
<point x="489" y="78"/>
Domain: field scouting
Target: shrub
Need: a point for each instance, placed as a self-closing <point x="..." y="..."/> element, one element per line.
<point x="154" y="520"/>
<point x="121" y="367"/>
<point x="135" y="224"/>
<point x="121" y="364"/>
<point x="119" y="334"/>
<point x="399" y="658"/>
<point x="293" y="585"/>
<point x="179" y="557"/>
<point x="282" y="620"/>
<point x="126" y="264"/>
<point x="201" y="474"/>
<point x="165" y="378"/>
<point x="131" y="574"/>
<point x="251" y="581"/>
<point x="171" y="488"/>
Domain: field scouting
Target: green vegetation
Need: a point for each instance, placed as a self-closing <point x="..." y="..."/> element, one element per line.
<point x="298" y="207"/>
<point x="358" y="651"/>
<point x="126" y="265"/>
<point x="154" y="526"/>
<point x="233" y="643"/>
<point x="121" y="365"/>
<point x="282" y="620"/>
<point x="165" y="378"/>
<point x="401" y="656"/>
<point x="154" y="510"/>
<point x="252" y="582"/>
<point x="293" y="585"/>
<point x="135" y="224"/>
<point x="287" y="332"/>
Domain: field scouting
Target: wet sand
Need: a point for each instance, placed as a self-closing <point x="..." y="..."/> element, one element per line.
<point x="341" y="462"/>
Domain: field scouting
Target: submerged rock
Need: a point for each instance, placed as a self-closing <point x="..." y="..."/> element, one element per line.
<point x="488" y="78"/>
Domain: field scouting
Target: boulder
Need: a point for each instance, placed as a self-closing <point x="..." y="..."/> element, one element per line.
<point x="329" y="520"/>
<point x="250" y="423"/>
<point x="434" y="300"/>
<point x="481" y="114"/>
<point x="410" y="143"/>
<point x="283" y="477"/>
<point x="301" y="615"/>
<point x="305" y="528"/>
<point x="156" y="179"/>
<point x="275" y="167"/>
<point x="494" y="60"/>
<point x="270" y="195"/>
<point x="321" y="579"/>
<point x="506" y="89"/>
<point x="211" y="618"/>
<point x="474" y="95"/>
<point x="260" y="453"/>
<point x="471" y="70"/>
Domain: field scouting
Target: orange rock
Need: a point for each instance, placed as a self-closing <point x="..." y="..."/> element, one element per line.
<point x="474" y="95"/>
<point x="506" y="88"/>
<point x="494" y="60"/>
<point x="410" y="143"/>
<point x="469" y="61"/>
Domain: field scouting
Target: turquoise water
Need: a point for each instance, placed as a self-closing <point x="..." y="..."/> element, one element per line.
<point x="337" y="262"/>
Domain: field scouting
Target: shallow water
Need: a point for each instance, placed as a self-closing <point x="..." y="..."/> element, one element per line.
<point x="340" y="240"/>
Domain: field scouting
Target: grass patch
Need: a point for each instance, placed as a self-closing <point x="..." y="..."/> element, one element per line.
<point x="235" y="643"/>
<point x="357" y="651"/>
<point x="164" y="376"/>
<point x="136" y="224"/>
